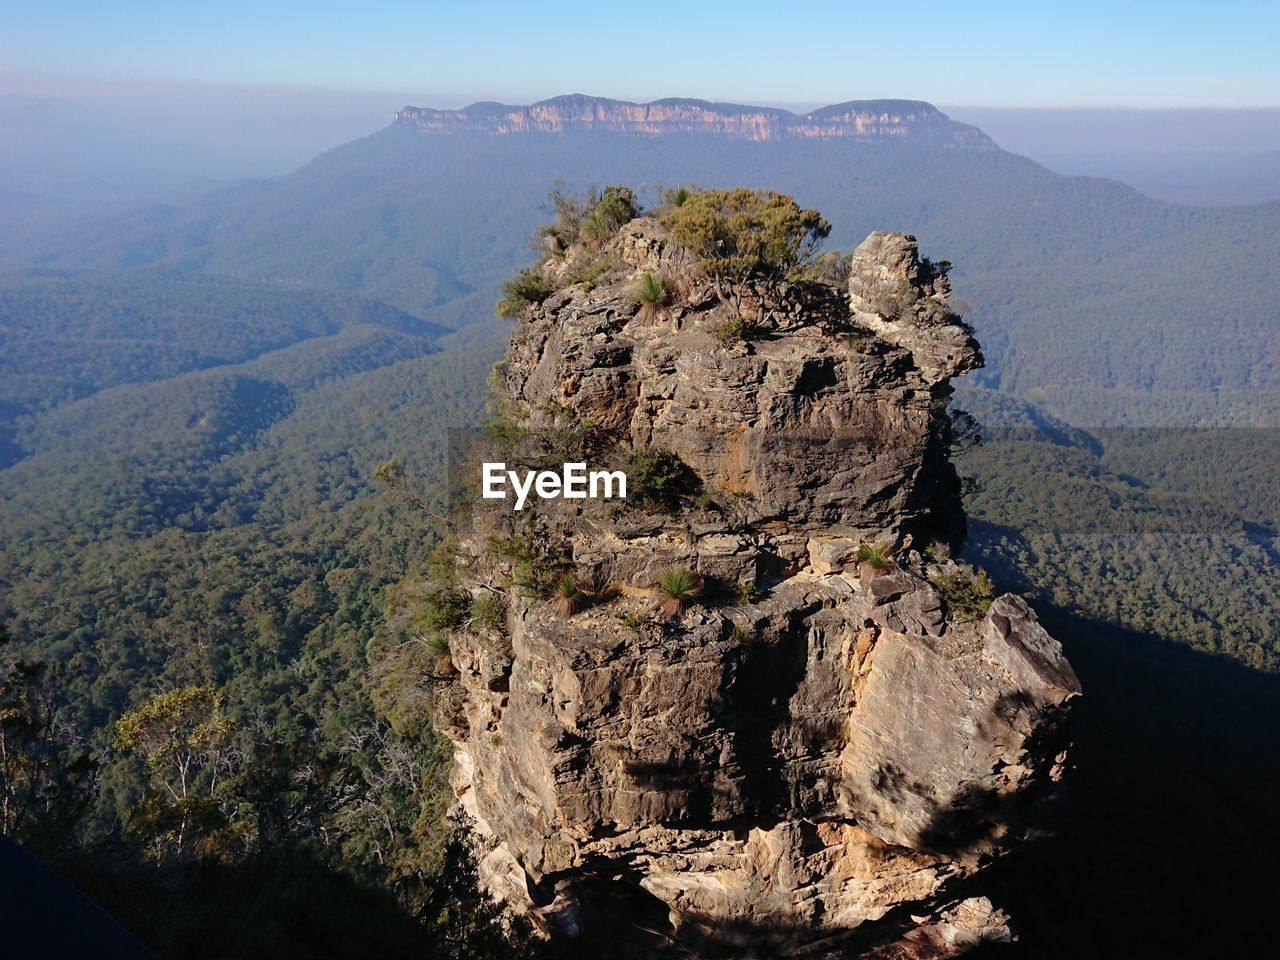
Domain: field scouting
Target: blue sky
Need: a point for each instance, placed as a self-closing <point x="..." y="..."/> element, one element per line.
<point x="1028" y="54"/>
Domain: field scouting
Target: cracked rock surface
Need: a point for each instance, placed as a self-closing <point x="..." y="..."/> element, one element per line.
<point x="815" y="754"/>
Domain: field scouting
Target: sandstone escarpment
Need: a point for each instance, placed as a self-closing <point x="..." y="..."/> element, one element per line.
<point x="862" y="120"/>
<point x="818" y="750"/>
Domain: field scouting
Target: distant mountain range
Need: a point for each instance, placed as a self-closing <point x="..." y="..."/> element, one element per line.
<point x="865" y="120"/>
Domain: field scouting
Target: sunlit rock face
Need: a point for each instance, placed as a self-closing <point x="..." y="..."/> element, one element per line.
<point x="865" y="120"/>
<point x="818" y="750"/>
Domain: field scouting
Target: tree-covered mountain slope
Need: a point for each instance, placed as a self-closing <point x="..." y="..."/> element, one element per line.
<point x="1096" y="300"/>
<point x="81" y="332"/>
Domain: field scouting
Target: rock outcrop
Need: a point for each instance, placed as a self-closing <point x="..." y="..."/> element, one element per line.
<point x="817" y="752"/>
<point x="864" y="120"/>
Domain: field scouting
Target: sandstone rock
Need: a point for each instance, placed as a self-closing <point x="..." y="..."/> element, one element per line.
<point x="903" y="299"/>
<point x="810" y="429"/>
<point x="1015" y="640"/>
<point x="808" y="769"/>
<point x="956" y="930"/>
<point x="866" y="120"/>
<point x="904" y="602"/>
<point x="829" y="555"/>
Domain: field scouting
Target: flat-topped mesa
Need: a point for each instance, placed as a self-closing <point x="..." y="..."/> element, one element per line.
<point x="738" y="708"/>
<point x="861" y="120"/>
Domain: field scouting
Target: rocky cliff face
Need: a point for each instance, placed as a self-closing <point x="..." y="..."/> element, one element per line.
<point x="866" y="120"/>
<point x="817" y="751"/>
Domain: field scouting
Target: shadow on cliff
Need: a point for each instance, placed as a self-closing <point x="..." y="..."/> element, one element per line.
<point x="647" y="935"/>
<point x="1169" y="843"/>
<point x="768" y="677"/>
<point x="287" y="902"/>
<point x="978" y="815"/>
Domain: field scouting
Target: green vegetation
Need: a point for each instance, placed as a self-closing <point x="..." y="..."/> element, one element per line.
<point x="438" y="644"/>
<point x="46" y="783"/>
<point x="504" y="429"/>
<point x="615" y="206"/>
<point x="442" y="560"/>
<point x="658" y="480"/>
<point x="1170" y="533"/>
<point x="967" y="597"/>
<point x="593" y="219"/>
<point x="441" y="609"/>
<point x="220" y="533"/>
<point x="744" y="237"/>
<point x="652" y="294"/>
<point x="566" y="598"/>
<point x="677" y="588"/>
<point x="489" y="613"/>
<point x="676" y="196"/>
<point x="568" y="209"/>
<point x="596" y="228"/>
<point x="733" y="331"/>
<point x="635" y="622"/>
<point x="536" y="564"/>
<point x="238" y="816"/>
<point x="875" y="556"/>
<point x="182" y="735"/>
<point x="68" y="337"/>
<point x="529" y="286"/>
<point x="589" y="270"/>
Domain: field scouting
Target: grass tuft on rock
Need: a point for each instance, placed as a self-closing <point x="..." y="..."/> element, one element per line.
<point x="678" y="587"/>
<point x="566" y="598"/>
<point x="653" y="296"/>
<point x="876" y="556"/>
<point x="438" y="644"/>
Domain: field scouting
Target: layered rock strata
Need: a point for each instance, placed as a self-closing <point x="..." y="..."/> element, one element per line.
<point x="861" y="120"/>
<point x="818" y="752"/>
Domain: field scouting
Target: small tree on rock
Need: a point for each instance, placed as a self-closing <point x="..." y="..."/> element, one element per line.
<point x="749" y="242"/>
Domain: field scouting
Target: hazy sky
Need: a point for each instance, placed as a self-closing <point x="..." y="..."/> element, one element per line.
<point x="1113" y="53"/>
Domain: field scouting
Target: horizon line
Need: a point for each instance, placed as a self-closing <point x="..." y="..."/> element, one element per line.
<point x="37" y="85"/>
